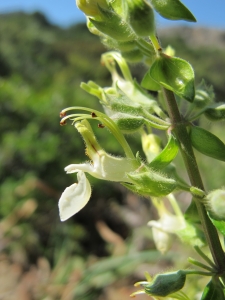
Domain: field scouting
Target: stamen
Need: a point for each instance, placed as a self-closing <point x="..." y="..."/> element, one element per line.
<point x="93" y="115"/>
<point x="101" y="126"/>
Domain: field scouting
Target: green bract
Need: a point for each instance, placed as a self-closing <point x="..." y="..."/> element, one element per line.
<point x="128" y="123"/>
<point x="173" y="10"/>
<point x="141" y="17"/>
<point x="113" y="25"/>
<point x="191" y="235"/>
<point x="165" y="284"/>
<point x="120" y="7"/>
<point x="151" y="183"/>
<point x="175" y="74"/>
<point x="133" y="56"/>
<point x="207" y="143"/>
<point x="122" y="46"/>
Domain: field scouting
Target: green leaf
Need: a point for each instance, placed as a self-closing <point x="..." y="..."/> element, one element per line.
<point x="220" y="225"/>
<point x="213" y="291"/>
<point x="191" y="214"/>
<point x="149" y="84"/>
<point x="167" y="155"/>
<point x="175" y="74"/>
<point x="207" y="143"/>
<point x="173" y="10"/>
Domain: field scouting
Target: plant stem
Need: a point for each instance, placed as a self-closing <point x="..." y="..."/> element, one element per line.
<point x="205" y="257"/>
<point x="179" y="128"/>
<point x="199" y="264"/>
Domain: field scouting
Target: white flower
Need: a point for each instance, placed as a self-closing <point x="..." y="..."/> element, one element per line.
<point x="105" y="166"/>
<point x="162" y="229"/>
<point x="102" y="166"/>
<point x="168" y="223"/>
<point x="75" y="197"/>
<point x="162" y="240"/>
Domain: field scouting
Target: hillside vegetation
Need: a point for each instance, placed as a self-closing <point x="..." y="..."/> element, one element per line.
<point x="41" y="68"/>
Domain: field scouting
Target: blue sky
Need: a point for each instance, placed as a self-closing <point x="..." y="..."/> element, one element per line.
<point x="65" y="12"/>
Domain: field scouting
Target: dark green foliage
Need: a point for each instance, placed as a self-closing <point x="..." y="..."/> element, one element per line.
<point x="207" y="143"/>
<point x="213" y="290"/>
<point x="41" y="67"/>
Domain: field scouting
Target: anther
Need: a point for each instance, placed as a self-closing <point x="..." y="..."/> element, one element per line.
<point x="63" y="123"/>
<point x="93" y="115"/>
<point x="101" y="126"/>
<point x="62" y="114"/>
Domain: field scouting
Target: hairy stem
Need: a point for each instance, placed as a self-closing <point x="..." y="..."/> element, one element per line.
<point x="186" y="149"/>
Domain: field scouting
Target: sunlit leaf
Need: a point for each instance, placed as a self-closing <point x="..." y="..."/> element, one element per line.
<point x="173" y="10"/>
<point x="175" y="74"/>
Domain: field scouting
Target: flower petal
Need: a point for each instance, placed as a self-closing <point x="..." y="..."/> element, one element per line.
<point x="73" y="168"/>
<point x="75" y="197"/>
<point x="162" y="240"/>
<point x="168" y="223"/>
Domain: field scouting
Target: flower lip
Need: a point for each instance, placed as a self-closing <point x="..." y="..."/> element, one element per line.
<point x="75" y="197"/>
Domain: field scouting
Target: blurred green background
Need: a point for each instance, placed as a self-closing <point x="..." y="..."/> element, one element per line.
<point x="106" y="247"/>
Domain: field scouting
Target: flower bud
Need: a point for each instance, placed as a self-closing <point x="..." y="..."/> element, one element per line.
<point x="165" y="284"/>
<point x="141" y="17"/>
<point x="216" y="112"/>
<point x="93" y="29"/>
<point x="204" y="94"/>
<point x="113" y="25"/>
<point x="216" y="204"/>
<point x="170" y="51"/>
<point x="91" y="7"/>
<point x="201" y="98"/>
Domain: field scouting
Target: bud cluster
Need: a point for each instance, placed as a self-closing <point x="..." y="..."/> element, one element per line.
<point x="122" y="25"/>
